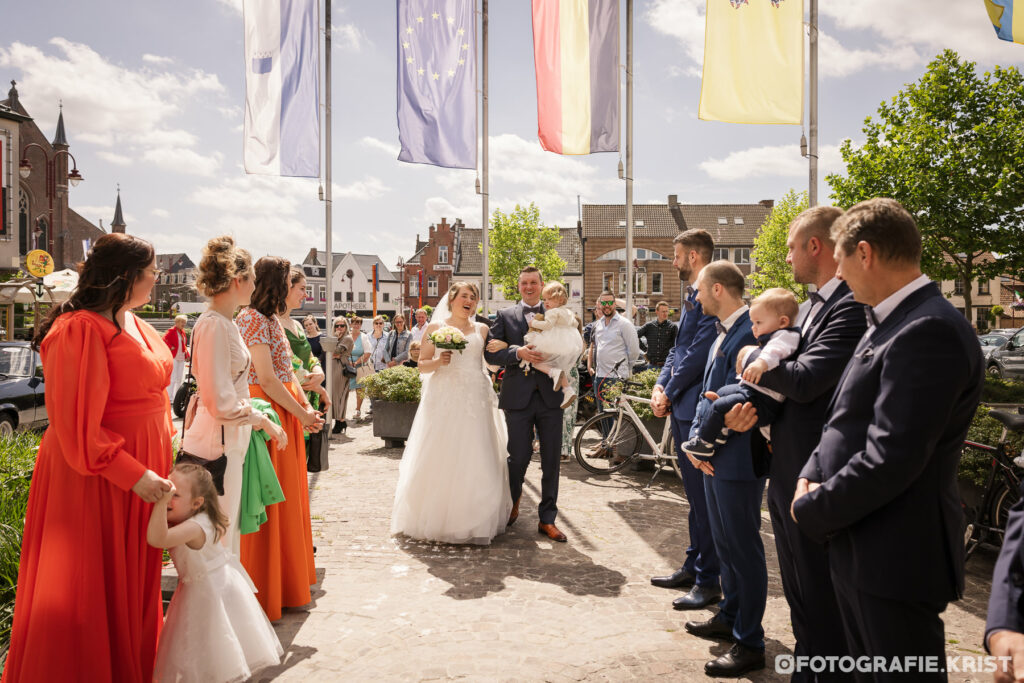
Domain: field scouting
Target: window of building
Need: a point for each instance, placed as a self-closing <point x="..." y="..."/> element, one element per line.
<point x="323" y="294"/>
<point x="309" y="292"/>
<point x="981" y="317"/>
<point x="640" y="282"/>
<point x="22" y="223"/>
<point x="622" y="283"/>
<point x="442" y="254"/>
<point x="738" y="220"/>
<point x="720" y="254"/>
<point x="958" y="286"/>
<point x="490" y="291"/>
<point x="362" y="297"/>
<point x="722" y="220"/>
<point x="337" y="296"/>
<point x="656" y="283"/>
<point x="983" y="287"/>
<point x="432" y="285"/>
<point x="414" y="287"/>
<point x="387" y="297"/>
<point x="607" y="281"/>
<point x="348" y="296"/>
<point x="741" y="256"/>
<point x="639" y="254"/>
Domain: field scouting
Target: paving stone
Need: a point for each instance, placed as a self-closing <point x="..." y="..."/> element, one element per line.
<point x="523" y="608"/>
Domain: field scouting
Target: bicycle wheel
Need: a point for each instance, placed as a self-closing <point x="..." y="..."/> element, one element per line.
<point x="1003" y="498"/>
<point x="607" y="442"/>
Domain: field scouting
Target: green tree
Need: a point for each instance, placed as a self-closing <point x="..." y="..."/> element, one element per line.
<point x="950" y="148"/>
<point x="769" y="254"/>
<point x="517" y="240"/>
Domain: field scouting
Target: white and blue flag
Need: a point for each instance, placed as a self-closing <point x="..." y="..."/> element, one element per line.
<point x="282" y="105"/>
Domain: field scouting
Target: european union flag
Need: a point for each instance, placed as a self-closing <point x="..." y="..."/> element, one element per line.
<point x="437" y="82"/>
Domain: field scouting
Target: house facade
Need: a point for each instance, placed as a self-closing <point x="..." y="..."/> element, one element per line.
<point x="352" y="285"/>
<point x="432" y="263"/>
<point x="177" y="281"/>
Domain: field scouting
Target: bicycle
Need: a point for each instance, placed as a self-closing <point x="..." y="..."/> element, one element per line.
<point x="612" y="439"/>
<point x="987" y="522"/>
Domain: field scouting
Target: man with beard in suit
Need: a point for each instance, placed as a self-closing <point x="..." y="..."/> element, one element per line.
<point x="831" y="324"/>
<point x="881" y="487"/>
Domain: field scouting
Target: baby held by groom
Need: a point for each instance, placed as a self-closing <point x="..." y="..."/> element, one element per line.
<point x="771" y="316"/>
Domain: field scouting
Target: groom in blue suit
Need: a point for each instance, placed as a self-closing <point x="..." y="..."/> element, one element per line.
<point x="676" y="394"/>
<point x="734" y="485"/>
<point x="530" y="403"/>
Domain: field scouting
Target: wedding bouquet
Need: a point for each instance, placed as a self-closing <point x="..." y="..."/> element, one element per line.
<point x="449" y="339"/>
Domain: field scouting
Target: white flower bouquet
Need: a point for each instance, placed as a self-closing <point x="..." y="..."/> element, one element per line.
<point x="449" y="339"/>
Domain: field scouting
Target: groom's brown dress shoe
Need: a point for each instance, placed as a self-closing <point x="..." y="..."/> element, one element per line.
<point x="515" y="511"/>
<point x="551" y="531"/>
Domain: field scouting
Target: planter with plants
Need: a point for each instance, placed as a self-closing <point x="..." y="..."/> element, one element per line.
<point x="395" y="393"/>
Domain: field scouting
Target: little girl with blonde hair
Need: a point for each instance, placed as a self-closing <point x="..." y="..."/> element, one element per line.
<point x="557" y="335"/>
<point x="215" y="630"/>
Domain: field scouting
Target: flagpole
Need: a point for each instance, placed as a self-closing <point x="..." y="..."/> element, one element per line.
<point x="812" y="160"/>
<point x="629" y="160"/>
<point x="328" y="202"/>
<point x="485" y="187"/>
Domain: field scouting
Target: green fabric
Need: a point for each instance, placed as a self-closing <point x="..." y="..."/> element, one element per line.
<point x="302" y="351"/>
<point x="260" y="487"/>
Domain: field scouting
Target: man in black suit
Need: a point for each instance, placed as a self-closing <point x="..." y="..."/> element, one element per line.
<point x="831" y="324"/>
<point x="530" y="403"/>
<point x="1004" y="627"/>
<point x="881" y="485"/>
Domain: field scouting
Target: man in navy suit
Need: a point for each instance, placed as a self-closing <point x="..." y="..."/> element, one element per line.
<point x="831" y="325"/>
<point x="530" y="403"/>
<point x="1004" y="627"/>
<point x="733" y="486"/>
<point x="675" y="395"/>
<point x="881" y="485"/>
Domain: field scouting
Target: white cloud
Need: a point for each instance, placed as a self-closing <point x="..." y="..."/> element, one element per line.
<point x="233" y="4"/>
<point x="835" y="60"/>
<point x="373" y="143"/>
<point x="256" y="194"/>
<point x="183" y="160"/>
<point x="773" y="161"/>
<point x="160" y="213"/>
<point x="108" y="105"/>
<point x="156" y="59"/>
<point x="684" y="21"/>
<point x="349" y="37"/>
<point x="114" y="158"/>
<point x="361" y="190"/>
<point x="230" y="113"/>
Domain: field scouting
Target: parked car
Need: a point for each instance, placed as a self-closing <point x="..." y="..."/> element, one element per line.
<point x="1005" y="331"/>
<point x="1008" y="361"/>
<point x="990" y="342"/>
<point x="22" y="398"/>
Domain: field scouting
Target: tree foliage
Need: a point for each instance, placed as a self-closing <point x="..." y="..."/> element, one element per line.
<point x="769" y="254"/>
<point x="950" y="148"/>
<point x="517" y="240"/>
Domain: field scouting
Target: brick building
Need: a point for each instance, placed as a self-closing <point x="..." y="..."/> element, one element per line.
<point x="434" y="258"/>
<point x="603" y="235"/>
<point x="28" y="222"/>
<point x="177" y="281"/>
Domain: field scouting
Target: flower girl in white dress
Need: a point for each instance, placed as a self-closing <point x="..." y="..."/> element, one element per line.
<point x="215" y="630"/>
<point x="557" y="336"/>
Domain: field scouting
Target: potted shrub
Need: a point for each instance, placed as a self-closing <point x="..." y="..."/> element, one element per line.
<point x="395" y="393"/>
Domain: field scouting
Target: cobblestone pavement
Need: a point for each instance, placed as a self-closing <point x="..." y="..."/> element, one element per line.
<point x="523" y="608"/>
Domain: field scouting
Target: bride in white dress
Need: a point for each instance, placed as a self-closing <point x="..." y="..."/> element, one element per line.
<point x="453" y="480"/>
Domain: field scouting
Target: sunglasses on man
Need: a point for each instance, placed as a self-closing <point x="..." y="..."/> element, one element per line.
<point x="606" y="303"/>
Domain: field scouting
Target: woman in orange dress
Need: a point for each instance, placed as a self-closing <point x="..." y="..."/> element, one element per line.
<point x="88" y="604"/>
<point x="279" y="557"/>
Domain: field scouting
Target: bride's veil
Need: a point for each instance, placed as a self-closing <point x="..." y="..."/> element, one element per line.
<point x="440" y="315"/>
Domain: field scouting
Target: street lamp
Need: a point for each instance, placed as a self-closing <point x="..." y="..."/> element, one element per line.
<point x="50" y="162"/>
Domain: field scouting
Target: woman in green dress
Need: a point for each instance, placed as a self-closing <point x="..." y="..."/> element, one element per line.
<point x="306" y="365"/>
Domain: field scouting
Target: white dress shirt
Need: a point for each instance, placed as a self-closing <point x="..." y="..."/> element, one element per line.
<point x="889" y="304"/>
<point x="615" y="340"/>
<point x="826" y="292"/>
<point x="727" y="324"/>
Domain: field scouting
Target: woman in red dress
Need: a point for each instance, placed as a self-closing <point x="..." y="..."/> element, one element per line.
<point x="279" y="557"/>
<point x="88" y="604"/>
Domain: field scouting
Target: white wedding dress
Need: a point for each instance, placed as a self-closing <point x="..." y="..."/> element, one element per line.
<point x="453" y="480"/>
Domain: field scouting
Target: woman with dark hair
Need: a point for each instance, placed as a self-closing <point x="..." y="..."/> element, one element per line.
<point x="88" y="603"/>
<point x="279" y="557"/>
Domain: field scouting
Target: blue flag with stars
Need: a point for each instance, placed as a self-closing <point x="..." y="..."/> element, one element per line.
<point x="437" y="82"/>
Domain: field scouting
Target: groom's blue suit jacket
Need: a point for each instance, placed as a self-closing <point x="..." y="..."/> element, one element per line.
<point x="510" y="326"/>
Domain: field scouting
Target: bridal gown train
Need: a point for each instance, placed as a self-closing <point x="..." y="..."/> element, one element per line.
<point x="453" y="480"/>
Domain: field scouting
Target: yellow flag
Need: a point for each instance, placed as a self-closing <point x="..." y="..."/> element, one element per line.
<point x="753" y="62"/>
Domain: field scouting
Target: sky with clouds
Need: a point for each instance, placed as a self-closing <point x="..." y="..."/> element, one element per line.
<point x="153" y="96"/>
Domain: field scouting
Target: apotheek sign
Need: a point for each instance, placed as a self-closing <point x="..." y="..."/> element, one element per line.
<point x="448" y="267"/>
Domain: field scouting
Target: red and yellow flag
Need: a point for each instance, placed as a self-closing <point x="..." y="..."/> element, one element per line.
<point x="576" y="55"/>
